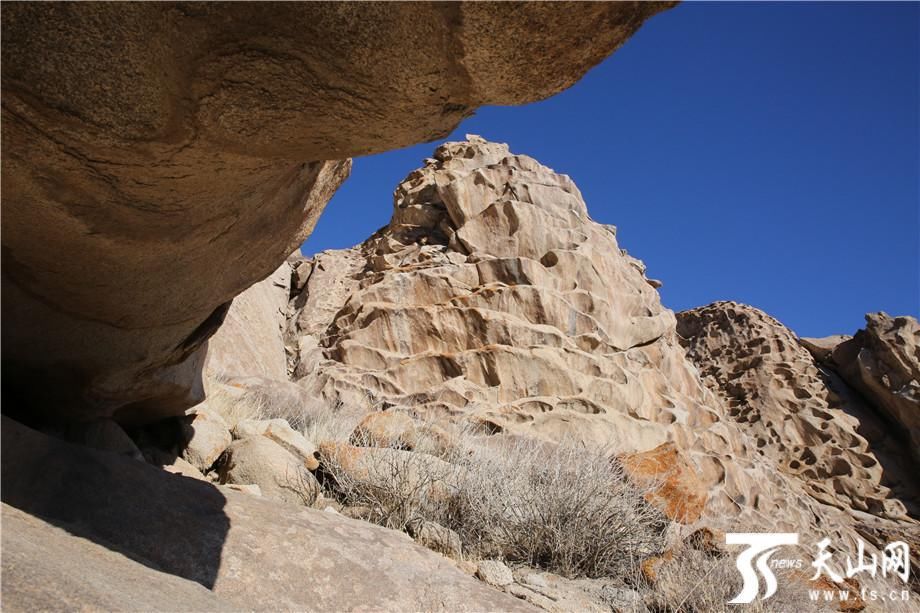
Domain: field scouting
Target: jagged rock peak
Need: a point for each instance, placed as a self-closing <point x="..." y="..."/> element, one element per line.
<point x="450" y="190"/>
<point x="489" y="257"/>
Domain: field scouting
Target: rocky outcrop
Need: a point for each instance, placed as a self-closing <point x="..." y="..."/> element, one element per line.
<point x="882" y="362"/>
<point x="157" y="538"/>
<point x="280" y="474"/>
<point x="160" y="158"/>
<point x="493" y="299"/>
<point x="205" y="436"/>
<point x="492" y="292"/>
<point x="804" y="418"/>
<point x="250" y="341"/>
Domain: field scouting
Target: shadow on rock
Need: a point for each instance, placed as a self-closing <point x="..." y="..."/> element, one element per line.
<point x="167" y="522"/>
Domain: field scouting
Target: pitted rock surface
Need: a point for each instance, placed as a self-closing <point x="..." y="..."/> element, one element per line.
<point x="804" y="418"/>
<point x="492" y="297"/>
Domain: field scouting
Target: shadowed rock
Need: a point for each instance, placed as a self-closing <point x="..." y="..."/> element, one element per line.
<point x="253" y="554"/>
<point x="46" y="568"/>
<point x="883" y="363"/>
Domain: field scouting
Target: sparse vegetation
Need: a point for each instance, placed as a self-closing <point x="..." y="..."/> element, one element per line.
<point x="565" y="508"/>
<point x="235" y="405"/>
<point x="334" y="424"/>
<point x="390" y="487"/>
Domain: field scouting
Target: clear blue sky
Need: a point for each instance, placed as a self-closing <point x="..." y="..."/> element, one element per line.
<point x="764" y="153"/>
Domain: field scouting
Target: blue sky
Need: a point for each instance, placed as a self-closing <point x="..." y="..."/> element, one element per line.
<point x="763" y="153"/>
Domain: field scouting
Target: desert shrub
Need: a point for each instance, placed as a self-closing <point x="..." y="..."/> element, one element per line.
<point x="566" y="508"/>
<point x="332" y="425"/>
<point x="316" y="420"/>
<point x="390" y="487"/>
<point x="235" y="405"/>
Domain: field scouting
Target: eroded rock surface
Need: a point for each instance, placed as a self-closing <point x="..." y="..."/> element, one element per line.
<point x="805" y="419"/>
<point x="882" y="362"/>
<point x="493" y="298"/>
<point x="160" y="158"/>
<point x="492" y="292"/>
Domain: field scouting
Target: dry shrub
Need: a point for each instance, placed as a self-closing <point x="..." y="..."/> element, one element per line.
<point x="317" y="422"/>
<point x="280" y="401"/>
<point x="234" y="405"/>
<point x="566" y="508"/>
<point x="334" y="424"/>
<point x="303" y="484"/>
<point x="391" y="487"/>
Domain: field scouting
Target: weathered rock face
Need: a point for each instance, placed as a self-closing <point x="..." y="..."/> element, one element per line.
<point x="492" y="297"/>
<point x="882" y="362"/>
<point x="253" y="554"/>
<point x="492" y="292"/>
<point x="250" y="341"/>
<point x="160" y="158"/>
<point x="804" y="419"/>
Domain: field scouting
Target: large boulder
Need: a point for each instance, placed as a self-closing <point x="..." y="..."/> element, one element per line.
<point x="159" y="158"/>
<point x="279" y="431"/>
<point x="250" y="342"/>
<point x="205" y="436"/>
<point x="280" y="474"/>
<point x="252" y="553"/>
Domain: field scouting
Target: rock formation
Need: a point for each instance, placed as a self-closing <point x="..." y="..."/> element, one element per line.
<point x="249" y="342"/>
<point x="160" y="158"/>
<point x="799" y="413"/>
<point x="492" y="292"/>
<point x="492" y="298"/>
<point x="843" y="431"/>
<point x="882" y="362"/>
